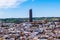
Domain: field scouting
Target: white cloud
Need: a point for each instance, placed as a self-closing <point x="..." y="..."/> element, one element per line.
<point x="10" y="3"/>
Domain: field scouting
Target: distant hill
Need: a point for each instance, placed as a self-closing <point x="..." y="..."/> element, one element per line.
<point x="19" y="20"/>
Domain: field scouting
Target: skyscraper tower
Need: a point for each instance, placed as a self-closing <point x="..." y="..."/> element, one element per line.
<point x="30" y="15"/>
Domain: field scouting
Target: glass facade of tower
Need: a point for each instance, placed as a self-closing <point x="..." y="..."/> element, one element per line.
<point x="30" y="15"/>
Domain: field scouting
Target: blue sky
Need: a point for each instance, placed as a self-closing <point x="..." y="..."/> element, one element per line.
<point x="20" y="8"/>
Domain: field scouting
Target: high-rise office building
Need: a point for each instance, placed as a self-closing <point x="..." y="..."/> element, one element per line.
<point x="30" y="15"/>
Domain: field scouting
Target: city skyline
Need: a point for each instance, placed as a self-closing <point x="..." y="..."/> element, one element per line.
<point x="20" y="8"/>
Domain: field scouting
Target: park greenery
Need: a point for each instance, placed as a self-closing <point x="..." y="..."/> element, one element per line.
<point x="19" y="20"/>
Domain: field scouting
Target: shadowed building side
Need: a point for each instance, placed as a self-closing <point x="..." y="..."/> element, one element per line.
<point x="30" y="15"/>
